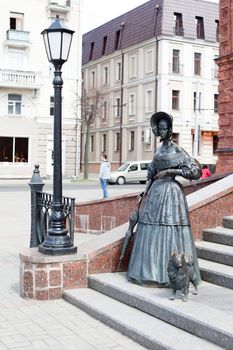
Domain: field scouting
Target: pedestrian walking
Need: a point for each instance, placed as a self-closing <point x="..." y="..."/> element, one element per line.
<point x="104" y="174"/>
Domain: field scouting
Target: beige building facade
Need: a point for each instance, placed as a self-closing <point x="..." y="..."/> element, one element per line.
<point x="26" y="89"/>
<point x="170" y="68"/>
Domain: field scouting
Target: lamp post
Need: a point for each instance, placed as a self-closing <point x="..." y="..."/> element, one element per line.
<point x="57" y="40"/>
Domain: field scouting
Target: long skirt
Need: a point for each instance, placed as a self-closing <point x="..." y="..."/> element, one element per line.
<point x="153" y="248"/>
<point x="154" y="242"/>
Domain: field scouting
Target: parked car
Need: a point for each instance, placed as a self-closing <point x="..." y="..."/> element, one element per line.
<point x="130" y="172"/>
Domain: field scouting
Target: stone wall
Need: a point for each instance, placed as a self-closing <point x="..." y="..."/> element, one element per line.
<point x="99" y="216"/>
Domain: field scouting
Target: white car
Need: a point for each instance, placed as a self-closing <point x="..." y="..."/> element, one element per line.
<point x="130" y="172"/>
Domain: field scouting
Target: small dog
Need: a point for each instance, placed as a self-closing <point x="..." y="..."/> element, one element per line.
<point x="181" y="272"/>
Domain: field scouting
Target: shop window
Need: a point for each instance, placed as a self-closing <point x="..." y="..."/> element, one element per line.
<point x="14" y="149"/>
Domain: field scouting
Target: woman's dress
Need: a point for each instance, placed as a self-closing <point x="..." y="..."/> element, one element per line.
<point x="163" y="226"/>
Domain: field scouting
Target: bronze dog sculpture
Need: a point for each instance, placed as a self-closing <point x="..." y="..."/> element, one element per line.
<point x="181" y="273"/>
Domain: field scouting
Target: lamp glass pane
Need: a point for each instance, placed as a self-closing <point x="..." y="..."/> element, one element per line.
<point x="55" y="44"/>
<point x="46" y="44"/>
<point x="66" y="45"/>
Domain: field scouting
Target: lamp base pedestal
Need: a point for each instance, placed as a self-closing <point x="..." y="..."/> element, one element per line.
<point x="57" y="251"/>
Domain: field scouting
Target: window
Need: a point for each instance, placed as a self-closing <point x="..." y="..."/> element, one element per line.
<point x="118" y="71"/>
<point x="198" y="142"/>
<point x="149" y="60"/>
<point x="178" y="29"/>
<point x="215" y="144"/>
<point x="105" y="77"/>
<point x="200" y="28"/>
<point x="131" y="141"/>
<point x="104" y="45"/>
<point x="175" y="99"/>
<point x="132" y="104"/>
<point x="92" y="79"/>
<point x="117" y="142"/>
<point x="104" y="142"/>
<point x="143" y="166"/>
<point x="16" y="21"/>
<point x="132" y="67"/>
<point x="14" y="104"/>
<point x="105" y="107"/>
<point x="175" y="61"/>
<point x="133" y="167"/>
<point x="117" y="39"/>
<point x="15" y="59"/>
<point x="51" y="111"/>
<point x="217" y="30"/>
<point x="91" y="51"/>
<point x="197" y="63"/>
<point x="215" y="67"/>
<point x="92" y="143"/>
<point x="195" y="101"/>
<point x="149" y="107"/>
<point x="118" y="106"/>
<point x="14" y="149"/>
<point x="215" y="103"/>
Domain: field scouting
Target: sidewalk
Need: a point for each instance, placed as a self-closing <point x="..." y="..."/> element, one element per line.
<point x="29" y="324"/>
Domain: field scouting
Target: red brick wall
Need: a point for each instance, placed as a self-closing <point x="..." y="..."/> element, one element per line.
<point x="225" y="103"/>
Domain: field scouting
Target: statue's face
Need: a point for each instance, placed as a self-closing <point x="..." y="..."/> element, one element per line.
<point x="163" y="129"/>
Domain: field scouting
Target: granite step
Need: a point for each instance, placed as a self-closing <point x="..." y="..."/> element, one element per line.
<point x="227" y="222"/>
<point x="208" y="315"/>
<point x="150" y="332"/>
<point x="215" y="252"/>
<point x="219" y="235"/>
<point x="216" y="273"/>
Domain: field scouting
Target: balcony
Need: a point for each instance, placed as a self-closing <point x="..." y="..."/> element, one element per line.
<point x="19" y="79"/>
<point x="17" y="38"/>
<point x="62" y="6"/>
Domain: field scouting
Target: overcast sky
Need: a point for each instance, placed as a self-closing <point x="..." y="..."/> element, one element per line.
<point x="96" y="12"/>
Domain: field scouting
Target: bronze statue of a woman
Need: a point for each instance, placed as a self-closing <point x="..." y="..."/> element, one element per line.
<point x="163" y="221"/>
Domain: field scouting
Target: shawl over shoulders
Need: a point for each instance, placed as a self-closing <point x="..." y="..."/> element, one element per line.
<point x="173" y="156"/>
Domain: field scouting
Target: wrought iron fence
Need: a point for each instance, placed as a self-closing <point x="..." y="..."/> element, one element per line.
<point x="41" y="208"/>
<point x="44" y="209"/>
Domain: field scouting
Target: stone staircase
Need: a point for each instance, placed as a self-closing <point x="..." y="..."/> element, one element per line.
<point x="147" y="315"/>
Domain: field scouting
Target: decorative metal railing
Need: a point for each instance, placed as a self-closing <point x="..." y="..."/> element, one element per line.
<point x="41" y="208"/>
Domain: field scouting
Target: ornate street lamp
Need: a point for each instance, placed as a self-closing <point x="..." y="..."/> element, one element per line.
<point x="57" y="39"/>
